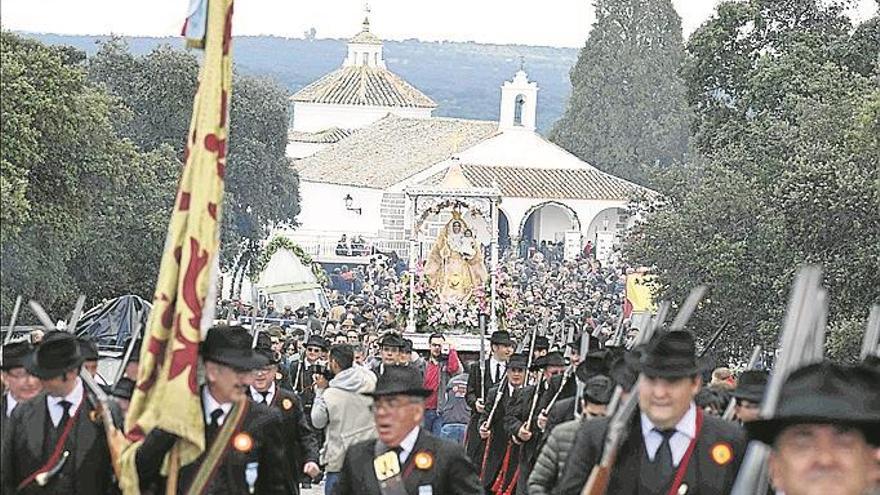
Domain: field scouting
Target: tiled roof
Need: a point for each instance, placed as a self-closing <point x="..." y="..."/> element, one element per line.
<point x="363" y="85"/>
<point x="549" y="183"/>
<point x="366" y="38"/>
<point x="391" y="150"/>
<point x="328" y="136"/>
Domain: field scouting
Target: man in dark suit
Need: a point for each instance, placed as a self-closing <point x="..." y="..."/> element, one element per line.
<point x="500" y="447"/>
<point x="495" y="365"/>
<point x="521" y="418"/>
<point x="20" y="385"/>
<point x="52" y="437"/>
<point x="390" y="350"/>
<point x="300" y="441"/>
<point x="254" y="457"/>
<point x="670" y="445"/>
<point x="405" y="458"/>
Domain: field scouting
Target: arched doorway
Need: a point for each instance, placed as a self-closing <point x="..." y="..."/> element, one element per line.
<point x="546" y="224"/>
<point x="605" y="229"/>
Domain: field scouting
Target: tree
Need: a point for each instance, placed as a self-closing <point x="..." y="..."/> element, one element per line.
<point x="627" y="111"/>
<point x="786" y="125"/>
<point x="158" y="88"/>
<point x="84" y="206"/>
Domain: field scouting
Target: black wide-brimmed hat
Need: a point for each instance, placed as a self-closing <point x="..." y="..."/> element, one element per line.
<point x="598" y="389"/>
<point x="400" y="380"/>
<point x="317" y="341"/>
<point x="56" y="354"/>
<point x="264" y="347"/>
<point x="231" y="346"/>
<point x="751" y="385"/>
<point x="518" y="361"/>
<point x="550" y="359"/>
<point x="670" y="355"/>
<point x="501" y="337"/>
<point x="392" y="339"/>
<point x="541" y="343"/>
<point x="88" y="349"/>
<point x="594" y="363"/>
<point x="576" y="343"/>
<point x="15" y="354"/>
<point x="825" y="393"/>
<point x="123" y="389"/>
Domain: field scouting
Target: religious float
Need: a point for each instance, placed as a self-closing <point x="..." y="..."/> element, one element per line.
<point x="453" y="255"/>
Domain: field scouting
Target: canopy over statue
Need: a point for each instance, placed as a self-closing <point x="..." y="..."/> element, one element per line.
<point x="455" y="265"/>
<point x="454" y="260"/>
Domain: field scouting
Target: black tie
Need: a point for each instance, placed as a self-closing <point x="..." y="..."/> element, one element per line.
<point x="663" y="458"/>
<point x="216" y="414"/>
<point x="397" y="450"/>
<point x="497" y="372"/>
<point x="65" y="415"/>
<point x="265" y="396"/>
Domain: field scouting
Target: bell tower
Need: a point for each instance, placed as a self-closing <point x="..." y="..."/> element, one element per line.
<point x="519" y="101"/>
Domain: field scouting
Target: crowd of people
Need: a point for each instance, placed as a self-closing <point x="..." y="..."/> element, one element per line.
<point x="342" y="398"/>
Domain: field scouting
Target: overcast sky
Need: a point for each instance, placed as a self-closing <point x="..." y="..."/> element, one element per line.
<point x="530" y="22"/>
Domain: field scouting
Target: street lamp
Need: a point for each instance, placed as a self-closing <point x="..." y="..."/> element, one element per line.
<point x="348" y="204"/>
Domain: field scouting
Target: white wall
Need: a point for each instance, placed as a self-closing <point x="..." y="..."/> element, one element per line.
<point x="323" y="213"/>
<point x="553" y="222"/>
<point x="315" y="117"/>
<point x="586" y="210"/>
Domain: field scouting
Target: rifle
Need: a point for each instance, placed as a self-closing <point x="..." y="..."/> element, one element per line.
<point x="731" y="406"/>
<point x="126" y="357"/>
<point x="482" y="323"/>
<point x="798" y="329"/>
<point x="584" y="350"/>
<point x="11" y="326"/>
<point x="872" y="334"/>
<point x="102" y="403"/>
<point x="531" y="353"/>
<point x="712" y="340"/>
<point x="487" y="424"/>
<point x="534" y="401"/>
<point x="597" y="483"/>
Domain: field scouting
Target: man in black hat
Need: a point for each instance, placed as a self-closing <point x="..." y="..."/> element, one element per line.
<point x="300" y="440"/>
<point x="19" y="384"/>
<point x="671" y="446"/>
<point x="594" y="364"/>
<point x="499" y="445"/>
<point x="57" y="420"/>
<point x="405" y="458"/>
<point x="88" y="349"/>
<point x="826" y="431"/>
<point x="303" y="372"/>
<point x="554" y="454"/>
<point x="257" y="445"/>
<point x="391" y="347"/>
<point x="521" y="418"/>
<point x="502" y="348"/>
<point x="748" y="393"/>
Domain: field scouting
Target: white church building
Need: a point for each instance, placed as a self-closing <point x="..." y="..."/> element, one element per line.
<point x="362" y="135"/>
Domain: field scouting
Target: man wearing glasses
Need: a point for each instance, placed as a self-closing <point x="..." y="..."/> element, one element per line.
<point x="405" y="458"/>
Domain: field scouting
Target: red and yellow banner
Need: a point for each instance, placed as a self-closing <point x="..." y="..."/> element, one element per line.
<point x="167" y="394"/>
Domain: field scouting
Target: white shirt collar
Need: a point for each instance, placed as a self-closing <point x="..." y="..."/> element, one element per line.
<point x="269" y="397"/>
<point x="10" y="404"/>
<point x="210" y="404"/>
<point x="75" y="397"/>
<point x="687" y="425"/>
<point x="408" y="444"/>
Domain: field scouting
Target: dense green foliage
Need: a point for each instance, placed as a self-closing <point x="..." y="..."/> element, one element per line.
<point x="90" y="155"/>
<point x="786" y="117"/>
<point x="627" y="113"/>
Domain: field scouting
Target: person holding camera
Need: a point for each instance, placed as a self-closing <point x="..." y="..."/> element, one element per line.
<point x="443" y="363"/>
<point x="342" y="410"/>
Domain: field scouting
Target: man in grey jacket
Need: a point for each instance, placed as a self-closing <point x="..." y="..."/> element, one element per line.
<point x="342" y="410"/>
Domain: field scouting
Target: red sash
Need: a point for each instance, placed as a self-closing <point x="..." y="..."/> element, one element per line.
<point x="56" y="454"/>
<point x="686" y="459"/>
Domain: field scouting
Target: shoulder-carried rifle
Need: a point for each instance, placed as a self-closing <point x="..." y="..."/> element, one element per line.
<point x="871" y="341"/>
<point x="11" y="328"/>
<point x="597" y="483"/>
<point x="798" y="334"/>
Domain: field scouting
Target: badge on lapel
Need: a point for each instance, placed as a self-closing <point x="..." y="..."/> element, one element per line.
<point x="278" y="376"/>
<point x="386" y="465"/>
<point x="424" y="460"/>
<point x="721" y="453"/>
<point x="243" y="442"/>
<point x="286" y="404"/>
